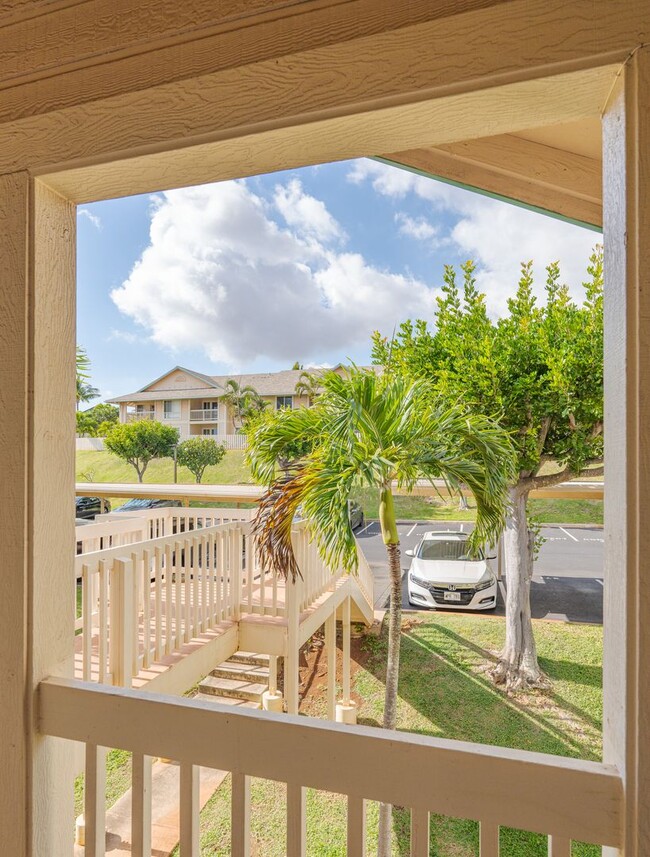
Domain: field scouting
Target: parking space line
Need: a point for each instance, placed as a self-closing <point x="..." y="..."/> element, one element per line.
<point x="598" y="580"/>
<point x="412" y="528"/>
<point x="367" y="527"/>
<point x="569" y="534"/>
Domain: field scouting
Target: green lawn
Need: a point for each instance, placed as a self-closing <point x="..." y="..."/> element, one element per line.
<point x="444" y="692"/>
<point x="104" y="467"/>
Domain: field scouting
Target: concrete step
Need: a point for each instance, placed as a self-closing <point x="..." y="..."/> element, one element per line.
<point x="233" y="687"/>
<point x="228" y="700"/>
<point x="243" y="671"/>
<point x="252" y="658"/>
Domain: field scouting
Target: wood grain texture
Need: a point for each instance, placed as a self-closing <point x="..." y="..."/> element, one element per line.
<point x="14" y="208"/>
<point x="278" y="142"/>
<point x="535" y="174"/>
<point x="116" y="65"/>
<point x="530" y="791"/>
<point x="626" y="126"/>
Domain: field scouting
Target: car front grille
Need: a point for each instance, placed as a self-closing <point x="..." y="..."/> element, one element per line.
<point x="438" y="593"/>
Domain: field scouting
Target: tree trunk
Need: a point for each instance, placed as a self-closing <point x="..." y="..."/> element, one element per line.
<point x="392" y="678"/>
<point x="518" y="667"/>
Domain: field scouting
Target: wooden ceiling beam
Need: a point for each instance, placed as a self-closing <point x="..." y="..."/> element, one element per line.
<point x="509" y="166"/>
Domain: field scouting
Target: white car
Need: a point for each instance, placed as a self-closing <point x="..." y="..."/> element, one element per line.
<point x="443" y="575"/>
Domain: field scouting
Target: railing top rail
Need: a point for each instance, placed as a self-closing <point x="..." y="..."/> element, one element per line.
<point x="571" y="798"/>
<point x="138" y="548"/>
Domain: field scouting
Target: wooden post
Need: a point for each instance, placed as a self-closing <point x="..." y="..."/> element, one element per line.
<point x="240" y="811"/>
<point x="189" y="810"/>
<point x="626" y="219"/>
<point x="330" y="650"/>
<point x="95" y="801"/>
<point x="296" y="821"/>
<point x="141" y="805"/>
<point x="291" y="663"/>
<point x="37" y="384"/>
<point x="122" y="609"/>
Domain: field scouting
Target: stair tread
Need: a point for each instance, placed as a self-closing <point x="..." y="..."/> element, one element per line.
<point x="228" y="700"/>
<point x="250" y="658"/>
<point x="237" y="668"/>
<point x="234" y="684"/>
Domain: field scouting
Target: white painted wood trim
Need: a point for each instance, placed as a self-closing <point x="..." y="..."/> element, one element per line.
<point x="531" y="791"/>
<point x="419" y="833"/>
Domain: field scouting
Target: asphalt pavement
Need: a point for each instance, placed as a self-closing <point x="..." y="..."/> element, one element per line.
<point x="567" y="579"/>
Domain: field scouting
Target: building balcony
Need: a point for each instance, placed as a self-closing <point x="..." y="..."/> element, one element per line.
<point x="204" y="415"/>
<point x="136" y="416"/>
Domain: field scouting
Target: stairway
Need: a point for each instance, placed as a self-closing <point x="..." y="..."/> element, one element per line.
<point x="240" y="681"/>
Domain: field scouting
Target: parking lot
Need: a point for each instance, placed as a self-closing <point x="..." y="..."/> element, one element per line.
<point x="567" y="580"/>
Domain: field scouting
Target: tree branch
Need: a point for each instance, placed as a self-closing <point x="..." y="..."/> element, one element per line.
<point x="535" y="482"/>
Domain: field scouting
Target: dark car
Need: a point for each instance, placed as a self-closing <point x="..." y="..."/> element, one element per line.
<point x="357" y="518"/>
<point x="137" y="504"/>
<point x="88" y="507"/>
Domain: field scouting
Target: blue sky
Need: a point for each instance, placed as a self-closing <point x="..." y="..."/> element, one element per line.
<point x="253" y="275"/>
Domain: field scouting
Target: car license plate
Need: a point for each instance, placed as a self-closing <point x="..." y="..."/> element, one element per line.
<point x="452" y="596"/>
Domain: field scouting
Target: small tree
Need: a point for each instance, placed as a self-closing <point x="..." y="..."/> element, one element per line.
<point x="97" y="421"/>
<point x="138" y="442"/>
<point x="197" y="453"/>
<point x="308" y="385"/>
<point x="244" y="402"/>
<point x="540" y="371"/>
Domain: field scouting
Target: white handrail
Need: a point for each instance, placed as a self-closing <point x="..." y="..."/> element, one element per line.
<point x="567" y="799"/>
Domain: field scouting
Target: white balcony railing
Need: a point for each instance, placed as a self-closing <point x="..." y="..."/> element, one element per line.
<point x="204" y="415"/>
<point x="136" y="416"/>
<point x="565" y="799"/>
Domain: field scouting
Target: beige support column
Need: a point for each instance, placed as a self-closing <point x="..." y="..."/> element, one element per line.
<point x="626" y="216"/>
<point x="272" y="698"/>
<point x="346" y="710"/>
<point x="330" y="651"/>
<point x="291" y="671"/>
<point x="37" y="429"/>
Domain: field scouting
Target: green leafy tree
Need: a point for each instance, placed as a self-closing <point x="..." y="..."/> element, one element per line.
<point x="374" y="431"/>
<point x="96" y="421"/>
<point x="539" y="370"/>
<point x="244" y="402"/>
<point x="139" y="442"/>
<point x="197" y="453"/>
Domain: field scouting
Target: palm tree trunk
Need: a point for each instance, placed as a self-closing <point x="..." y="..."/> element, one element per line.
<point x="391" y="538"/>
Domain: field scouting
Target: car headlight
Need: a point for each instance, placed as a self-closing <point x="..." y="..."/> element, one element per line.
<point x="486" y="581"/>
<point x="419" y="582"/>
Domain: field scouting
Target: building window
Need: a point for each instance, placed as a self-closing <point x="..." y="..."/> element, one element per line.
<point x="212" y="408"/>
<point x="283" y="402"/>
<point x="171" y="409"/>
<point x="210" y="431"/>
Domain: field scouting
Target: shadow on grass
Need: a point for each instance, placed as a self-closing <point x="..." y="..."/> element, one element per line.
<point x="437" y="682"/>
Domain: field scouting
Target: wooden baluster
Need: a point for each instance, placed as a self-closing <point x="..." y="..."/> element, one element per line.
<point x="240" y="816"/>
<point x="489" y="839"/>
<point x="204" y="572"/>
<point x="95" y="801"/>
<point x="141" y="805"/>
<point x="196" y="587"/>
<point x="158" y="585"/>
<point x="122" y="621"/>
<point x="87" y="625"/>
<point x="102" y="643"/>
<point x="419" y="833"/>
<point x="169" y="598"/>
<point x="250" y="570"/>
<point x="346" y="651"/>
<point x="189" y="810"/>
<point x="178" y="595"/>
<point x="210" y="571"/>
<point x="356" y="840"/>
<point x="135" y="627"/>
<point x="217" y="571"/>
<point x="291" y="675"/>
<point x="330" y="650"/>
<point x="146" y="608"/>
<point x="296" y="820"/>
<point x="187" y="577"/>
<point x="559" y="846"/>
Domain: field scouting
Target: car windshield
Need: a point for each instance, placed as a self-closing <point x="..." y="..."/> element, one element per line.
<point x="446" y="549"/>
<point x="137" y="504"/>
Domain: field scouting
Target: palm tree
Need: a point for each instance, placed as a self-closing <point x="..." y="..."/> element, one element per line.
<point x="85" y="391"/>
<point x="308" y="385"/>
<point x="374" y="431"/>
<point x="243" y="401"/>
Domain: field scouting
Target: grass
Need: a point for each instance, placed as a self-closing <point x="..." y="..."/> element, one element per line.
<point x="104" y="467"/>
<point x="444" y="691"/>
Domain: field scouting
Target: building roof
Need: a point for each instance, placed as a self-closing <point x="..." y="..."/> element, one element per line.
<point x="281" y="383"/>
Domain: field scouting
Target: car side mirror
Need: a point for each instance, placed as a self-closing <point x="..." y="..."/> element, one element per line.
<point x="410" y="552"/>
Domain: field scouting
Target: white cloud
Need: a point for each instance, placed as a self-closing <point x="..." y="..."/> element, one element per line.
<point x="306" y="213"/>
<point x="94" y="219"/>
<point x="123" y="336"/>
<point x="415" y="227"/>
<point x="497" y="235"/>
<point x="219" y="274"/>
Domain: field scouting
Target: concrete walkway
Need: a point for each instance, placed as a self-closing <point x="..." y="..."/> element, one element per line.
<point x="164" y="811"/>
